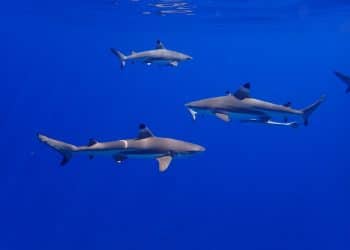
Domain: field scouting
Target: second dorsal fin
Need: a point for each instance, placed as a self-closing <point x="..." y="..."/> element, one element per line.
<point x="287" y="104"/>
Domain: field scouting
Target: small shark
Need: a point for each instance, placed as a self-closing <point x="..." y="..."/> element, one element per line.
<point x="159" y="55"/>
<point x="345" y="79"/>
<point x="146" y="145"/>
<point x="242" y="106"/>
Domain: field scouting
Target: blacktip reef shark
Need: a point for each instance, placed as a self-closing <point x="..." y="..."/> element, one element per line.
<point x="159" y="55"/>
<point x="345" y="79"/>
<point x="240" y="105"/>
<point x="146" y="145"/>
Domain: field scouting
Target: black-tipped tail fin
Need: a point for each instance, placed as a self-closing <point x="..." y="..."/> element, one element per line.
<point x="308" y="111"/>
<point x="121" y="57"/>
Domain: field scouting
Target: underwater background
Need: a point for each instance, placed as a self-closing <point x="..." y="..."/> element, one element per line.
<point x="256" y="187"/>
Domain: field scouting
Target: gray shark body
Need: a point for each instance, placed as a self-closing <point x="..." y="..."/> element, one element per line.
<point x="345" y="79"/>
<point x="159" y="55"/>
<point x="241" y="106"/>
<point x="146" y="145"/>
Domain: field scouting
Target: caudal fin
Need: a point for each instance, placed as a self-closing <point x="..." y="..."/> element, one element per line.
<point x="121" y="57"/>
<point x="307" y="112"/>
<point x="63" y="148"/>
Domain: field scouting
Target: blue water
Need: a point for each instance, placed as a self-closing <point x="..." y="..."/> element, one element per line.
<point x="256" y="187"/>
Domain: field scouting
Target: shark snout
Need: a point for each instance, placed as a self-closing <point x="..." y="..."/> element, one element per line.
<point x="200" y="148"/>
<point x="195" y="148"/>
<point x="191" y="104"/>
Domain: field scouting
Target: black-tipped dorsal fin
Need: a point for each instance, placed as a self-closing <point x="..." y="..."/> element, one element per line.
<point x="144" y="132"/>
<point x="92" y="142"/>
<point x="243" y="91"/>
<point x="229" y="93"/>
<point x="159" y="45"/>
<point x="287" y="104"/>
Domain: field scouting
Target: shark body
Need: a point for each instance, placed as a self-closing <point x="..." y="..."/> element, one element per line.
<point x="345" y="79"/>
<point x="159" y="55"/>
<point x="241" y="106"/>
<point x="146" y="145"/>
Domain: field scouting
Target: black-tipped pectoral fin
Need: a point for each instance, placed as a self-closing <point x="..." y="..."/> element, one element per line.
<point x="66" y="158"/>
<point x="164" y="162"/>
<point x="119" y="158"/>
<point x="223" y="117"/>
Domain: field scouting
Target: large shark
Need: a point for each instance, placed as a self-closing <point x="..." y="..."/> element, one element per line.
<point x="159" y="55"/>
<point x="146" y="145"/>
<point x="241" y="106"/>
<point x="345" y="79"/>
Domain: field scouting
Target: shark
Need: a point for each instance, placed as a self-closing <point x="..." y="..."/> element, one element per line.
<point x="241" y="106"/>
<point x="159" y="55"/>
<point x="145" y="145"/>
<point x="345" y="79"/>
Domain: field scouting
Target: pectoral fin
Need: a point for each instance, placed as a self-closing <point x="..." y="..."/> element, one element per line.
<point x="164" y="162"/>
<point x="174" y="63"/>
<point x="223" y="117"/>
<point x="119" y="158"/>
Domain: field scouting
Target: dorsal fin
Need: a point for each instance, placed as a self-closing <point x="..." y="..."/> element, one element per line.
<point x="144" y="132"/>
<point x="243" y="91"/>
<point x="287" y="104"/>
<point x="92" y="142"/>
<point x="159" y="45"/>
<point x="229" y="93"/>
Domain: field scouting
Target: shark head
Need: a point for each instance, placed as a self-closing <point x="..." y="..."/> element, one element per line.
<point x="187" y="149"/>
<point x="184" y="57"/>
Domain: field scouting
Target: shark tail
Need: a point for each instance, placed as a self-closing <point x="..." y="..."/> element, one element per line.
<point x="307" y="112"/>
<point x="65" y="149"/>
<point x="121" y="57"/>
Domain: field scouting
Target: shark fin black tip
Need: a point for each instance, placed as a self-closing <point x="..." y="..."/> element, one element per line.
<point x="142" y="126"/>
<point x="247" y="85"/>
<point x="65" y="160"/>
<point x="287" y="104"/>
<point x="92" y="142"/>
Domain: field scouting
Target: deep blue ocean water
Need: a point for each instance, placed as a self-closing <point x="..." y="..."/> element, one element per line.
<point x="256" y="187"/>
